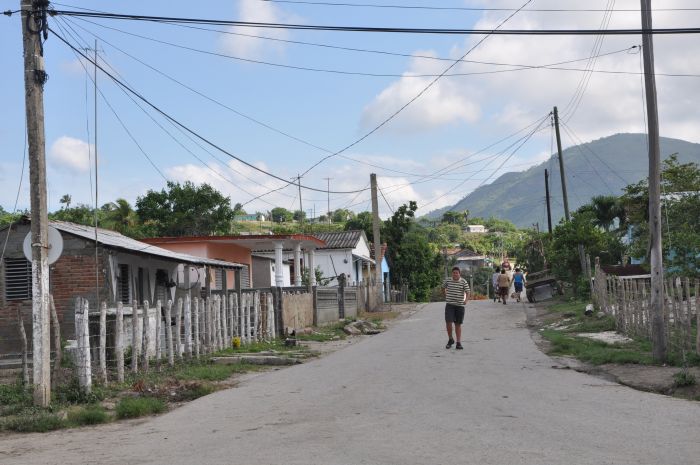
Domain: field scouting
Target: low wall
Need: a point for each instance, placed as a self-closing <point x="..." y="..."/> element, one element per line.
<point x="297" y="310"/>
<point x="326" y="306"/>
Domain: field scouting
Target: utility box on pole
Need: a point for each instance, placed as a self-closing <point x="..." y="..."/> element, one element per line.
<point x="33" y="25"/>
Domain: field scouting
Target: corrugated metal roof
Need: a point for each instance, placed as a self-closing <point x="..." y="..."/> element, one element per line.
<point x="340" y="240"/>
<point x="114" y="239"/>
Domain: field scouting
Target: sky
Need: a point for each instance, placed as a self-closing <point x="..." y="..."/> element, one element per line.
<point x="284" y="100"/>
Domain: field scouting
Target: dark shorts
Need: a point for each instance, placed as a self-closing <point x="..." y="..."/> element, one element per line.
<point x="454" y="314"/>
<point x="518" y="287"/>
<point x="503" y="291"/>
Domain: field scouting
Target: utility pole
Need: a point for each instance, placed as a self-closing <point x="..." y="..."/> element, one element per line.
<point x="658" y="333"/>
<point x="549" y="207"/>
<point x="33" y="25"/>
<point x="329" y="199"/>
<point x="561" y="166"/>
<point x="377" y="240"/>
<point x="301" y="209"/>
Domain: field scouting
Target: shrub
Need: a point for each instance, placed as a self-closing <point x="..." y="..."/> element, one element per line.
<point x="38" y="422"/>
<point x="684" y="378"/>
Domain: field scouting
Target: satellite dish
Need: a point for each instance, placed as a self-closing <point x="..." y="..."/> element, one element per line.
<point x="55" y="245"/>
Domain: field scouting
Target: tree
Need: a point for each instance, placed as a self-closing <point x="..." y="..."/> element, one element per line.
<point x="299" y="215"/>
<point x="342" y="215"/>
<point x="363" y="221"/>
<point x="606" y="209"/>
<point x="281" y="215"/>
<point x="238" y="209"/>
<point x="66" y="200"/>
<point x="120" y="216"/>
<point x="80" y="214"/>
<point x="460" y="218"/>
<point x="680" y="216"/>
<point x="185" y="210"/>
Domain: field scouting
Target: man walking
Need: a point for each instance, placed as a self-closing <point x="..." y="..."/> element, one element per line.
<point x="456" y="294"/>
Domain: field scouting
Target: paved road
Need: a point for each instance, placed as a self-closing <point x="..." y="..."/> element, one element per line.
<point x="401" y="398"/>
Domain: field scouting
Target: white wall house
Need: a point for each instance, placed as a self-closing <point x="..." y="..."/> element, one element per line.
<point x="345" y="252"/>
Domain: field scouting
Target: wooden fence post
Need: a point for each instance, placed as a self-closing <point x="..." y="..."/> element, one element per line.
<point x="159" y="317"/>
<point x="103" y="342"/>
<point x="119" y="342"/>
<point x="146" y="335"/>
<point x="135" y="337"/>
<point x="195" y="326"/>
<point x="56" y="339"/>
<point x="178" y="329"/>
<point x="82" y="335"/>
<point x="188" y="327"/>
<point x="169" y="332"/>
<point x="256" y="317"/>
<point x="271" y="315"/>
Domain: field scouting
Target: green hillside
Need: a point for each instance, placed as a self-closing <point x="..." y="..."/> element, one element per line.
<point x="600" y="167"/>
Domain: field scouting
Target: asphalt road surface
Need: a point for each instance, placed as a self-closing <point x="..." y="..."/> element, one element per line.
<point x="401" y="398"/>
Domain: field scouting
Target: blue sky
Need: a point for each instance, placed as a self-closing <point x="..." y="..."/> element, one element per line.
<point x="451" y="121"/>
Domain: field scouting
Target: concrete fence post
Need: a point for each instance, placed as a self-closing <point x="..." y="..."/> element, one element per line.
<point x="82" y="335"/>
<point x="188" y="327"/>
<point x="135" y="337"/>
<point x="146" y="335"/>
<point x="103" y="342"/>
<point x="169" y="332"/>
<point x="119" y="342"/>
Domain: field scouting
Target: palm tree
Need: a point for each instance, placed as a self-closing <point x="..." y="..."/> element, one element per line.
<point x="607" y="209"/>
<point x="119" y="216"/>
<point x="66" y="199"/>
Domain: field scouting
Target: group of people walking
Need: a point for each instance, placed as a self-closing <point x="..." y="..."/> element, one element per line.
<point x="456" y="289"/>
<point x="507" y="282"/>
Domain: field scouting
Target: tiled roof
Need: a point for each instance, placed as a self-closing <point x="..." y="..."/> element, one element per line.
<point x="114" y="239"/>
<point x="340" y="240"/>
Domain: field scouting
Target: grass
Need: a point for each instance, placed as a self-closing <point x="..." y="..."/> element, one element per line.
<point x="90" y="415"/>
<point x="134" y="407"/>
<point x="326" y="333"/>
<point x="38" y="421"/>
<point x="598" y="352"/>
<point x="276" y="345"/>
<point x="196" y="391"/>
<point x="684" y="378"/>
<point x="212" y="372"/>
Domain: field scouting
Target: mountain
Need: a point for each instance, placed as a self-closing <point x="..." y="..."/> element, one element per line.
<point x="601" y="167"/>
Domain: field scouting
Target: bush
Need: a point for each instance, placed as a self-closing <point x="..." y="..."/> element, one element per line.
<point x="72" y="393"/>
<point x="684" y="378"/>
<point x="14" y="394"/>
<point x="134" y="407"/>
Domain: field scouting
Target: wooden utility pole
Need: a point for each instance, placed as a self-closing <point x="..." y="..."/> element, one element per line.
<point x="549" y="207"/>
<point x="658" y="333"/>
<point x="377" y="240"/>
<point x="561" y="166"/>
<point x="33" y="25"/>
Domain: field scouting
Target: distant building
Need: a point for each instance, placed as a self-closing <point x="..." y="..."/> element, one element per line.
<point x="468" y="260"/>
<point x="253" y="217"/>
<point x="475" y="228"/>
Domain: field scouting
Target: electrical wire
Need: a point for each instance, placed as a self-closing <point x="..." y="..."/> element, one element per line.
<point x="385" y="200"/>
<point x="186" y="128"/>
<point x="19" y="190"/>
<point x="402" y="30"/>
<point x="578" y="147"/>
<point x="458" y="8"/>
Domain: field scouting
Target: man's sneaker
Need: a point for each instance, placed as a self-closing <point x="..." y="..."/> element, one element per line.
<point x="449" y="343"/>
<point x="459" y="346"/>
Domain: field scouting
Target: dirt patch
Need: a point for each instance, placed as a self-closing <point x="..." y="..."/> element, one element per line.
<point x="650" y="378"/>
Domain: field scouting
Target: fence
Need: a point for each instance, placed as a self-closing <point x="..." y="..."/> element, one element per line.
<point x="628" y="299"/>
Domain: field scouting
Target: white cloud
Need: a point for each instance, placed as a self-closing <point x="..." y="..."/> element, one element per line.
<point x="611" y="102"/>
<point x="444" y="103"/>
<point x="71" y="153"/>
<point x="251" y="47"/>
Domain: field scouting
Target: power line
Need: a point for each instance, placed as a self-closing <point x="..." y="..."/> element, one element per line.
<point x="186" y="128"/>
<point x="402" y="30"/>
<point x="457" y="8"/>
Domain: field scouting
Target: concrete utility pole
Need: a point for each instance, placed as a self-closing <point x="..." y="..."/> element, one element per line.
<point x="658" y="333"/>
<point x="33" y="25"/>
<point x="549" y="207"/>
<point x="561" y="166"/>
<point x="377" y="239"/>
<point x="328" y="211"/>
<point x="301" y="208"/>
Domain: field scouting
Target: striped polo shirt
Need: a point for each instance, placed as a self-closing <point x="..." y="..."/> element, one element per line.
<point x="454" y="291"/>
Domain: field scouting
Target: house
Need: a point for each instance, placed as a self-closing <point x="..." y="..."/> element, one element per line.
<point x="468" y="260"/>
<point x="475" y="228"/>
<point x="251" y="217"/>
<point x="262" y="255"/>
<point x="345" y="252"/>
<point x="115" y="268"/>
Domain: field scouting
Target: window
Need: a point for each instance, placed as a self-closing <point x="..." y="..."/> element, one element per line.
<point x="218" y="278"/>
<point x="123" y="284"/>
<point x="18" y="279"/>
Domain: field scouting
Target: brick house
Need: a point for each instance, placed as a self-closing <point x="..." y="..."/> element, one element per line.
<point x="127" y="270"/>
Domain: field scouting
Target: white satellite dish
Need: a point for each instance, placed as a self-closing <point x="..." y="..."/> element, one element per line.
<point x="55" y="245"/>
